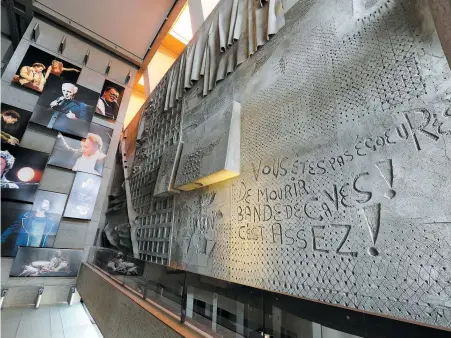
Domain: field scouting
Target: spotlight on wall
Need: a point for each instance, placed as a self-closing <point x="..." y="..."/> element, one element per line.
<point x="62" y="45"/>
<point x="107" y="71"/>
<point x="35" y="32"/>
<point x="86" y="58"/>
<point x="127" y="78"/>
<point x="38" y="299"/>
<point x="4" y="292"/>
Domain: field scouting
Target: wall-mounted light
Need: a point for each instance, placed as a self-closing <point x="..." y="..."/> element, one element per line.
<point x="86" y="57"/>
<point x="107" y="71"/>
<point x="62" y="45"/>
<point x="35" y="32"/>
<point x="127" y="78"/>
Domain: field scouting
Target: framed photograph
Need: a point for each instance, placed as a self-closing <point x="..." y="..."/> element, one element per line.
<point x="13" y="123"/>
<point x="36" y="227"/>
<point x="110" y="100"/>
<point x="83" y="195"/>
<point x="87" y="155"/>
<point x="66" y="107"/>
<point x="12" y="213"/>
<point x="37" y="66"/>
<point x="118" y="264"/>
<point x="45" y="262"/>
<point x="21" y="172"/>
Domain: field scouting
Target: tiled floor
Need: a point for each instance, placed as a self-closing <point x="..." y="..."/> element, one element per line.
<point x="52" y="321"/>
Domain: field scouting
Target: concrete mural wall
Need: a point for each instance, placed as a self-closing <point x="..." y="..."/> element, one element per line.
<point x="343" y="194"/>
<point x="72" y="233"/>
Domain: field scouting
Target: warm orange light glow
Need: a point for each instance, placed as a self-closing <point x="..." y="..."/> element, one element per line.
<point x="141" y="80"/>
<point x="25" y="174"/>
<point x="213" y="178"/>
<point x="181" y="29"/>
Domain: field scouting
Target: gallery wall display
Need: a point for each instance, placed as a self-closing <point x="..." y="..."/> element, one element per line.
<point x="65" y="106"/>
<point x="36" y="227"/>
<point x="21" y="172"/>
<point x="83" y="195"/>
<point x="86" y="155"/>
<point x="37" y="66"/>
<point x="13" y="123"/>
<point x="45" y="262"/>
<point x="110" y="100"/>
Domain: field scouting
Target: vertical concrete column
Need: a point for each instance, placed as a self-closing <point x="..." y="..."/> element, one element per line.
<point x="214" y="316"/>
<point x="276" y="321"/>
<point x="441" y="12"/>
<point x="189" y="302"/>
<point x="316" y="330"/>
<point x="196" y="14"/>
<point x="146" y="76"/>
<point x="239" y="319"/>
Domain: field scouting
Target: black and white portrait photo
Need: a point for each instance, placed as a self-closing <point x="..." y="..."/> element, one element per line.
<point x="36" y="227"/>
<point x="66" y="107"/>
<point x="110" y="100"/>
<point x="83" y="195"/>
<point x="13" y="123"/>
<point x="37" y="66"/>
<point x="87" y="155"/>
<point x="21" y="172"/>
<point x="45" y="262"/>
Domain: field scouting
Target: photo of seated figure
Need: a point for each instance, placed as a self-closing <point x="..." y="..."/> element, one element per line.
<point x="13" y="123"/>
<point x="87" y="155"/>
<point x="46" y="262"/>
<point x="110" y="100"/>
<point x="66" y="107"/>
<point x="37" y="65"/>
<point x="31" y="77"/>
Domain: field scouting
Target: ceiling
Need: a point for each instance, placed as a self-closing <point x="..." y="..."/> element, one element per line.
<point x="131" y="25"/>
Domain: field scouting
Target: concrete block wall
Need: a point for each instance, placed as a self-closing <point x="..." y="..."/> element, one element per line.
<point x="72" y="233"/>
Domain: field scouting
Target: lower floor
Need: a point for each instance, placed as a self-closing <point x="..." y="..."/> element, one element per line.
<point x="48" y="321"/>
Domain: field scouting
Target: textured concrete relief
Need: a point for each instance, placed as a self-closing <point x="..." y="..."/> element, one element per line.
<point x="228" y="37"/>
<point x="343" y="194"/>
<point x="164" y="185"/>
<point x="211" y="152"/>
<point x="201" y="224"/>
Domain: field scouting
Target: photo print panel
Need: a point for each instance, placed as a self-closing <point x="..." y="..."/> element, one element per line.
<point x="83" y="195"/>
<point x="13" y="123"/>
<point x="110" y="100"/>
<point x="118" y="264"/>
<point x="66" y="107"/>
<point x="45" y="262"/>
<point x="37" y="66"/>
<point x="87" y="155"/>
<point x="21" y="172"/>
<point x="13" y="213"/>
<point x="31" y="225"/>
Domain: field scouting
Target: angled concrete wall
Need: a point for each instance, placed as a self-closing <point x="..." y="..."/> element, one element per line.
<point x="343" y="194"/>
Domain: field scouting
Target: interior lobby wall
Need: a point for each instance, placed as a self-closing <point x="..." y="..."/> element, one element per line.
<point x="72" y="233"/>
<point x="343" y="190"/>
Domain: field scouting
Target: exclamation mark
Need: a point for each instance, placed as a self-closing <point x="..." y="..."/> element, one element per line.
<point x="372" y="215"/>
<point x="386" y="169"/>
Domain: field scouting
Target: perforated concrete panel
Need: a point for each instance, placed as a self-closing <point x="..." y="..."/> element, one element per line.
<point x="343" y="194"/>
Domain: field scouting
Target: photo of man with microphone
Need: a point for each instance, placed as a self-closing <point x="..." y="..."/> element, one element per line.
<point x="66" y="107"/>
<point x="109" y="102"/>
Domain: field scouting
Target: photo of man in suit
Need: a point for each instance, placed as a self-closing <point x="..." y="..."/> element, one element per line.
<point x="66" y="107"/>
